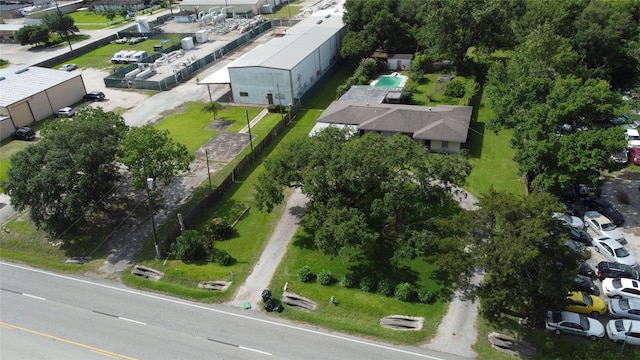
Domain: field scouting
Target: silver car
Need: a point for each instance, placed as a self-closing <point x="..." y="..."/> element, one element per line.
<point x="613" y="251"/>
<point x="625" y="308"/>
<point x="627" y="331"/>
<point x="574" y="323"/>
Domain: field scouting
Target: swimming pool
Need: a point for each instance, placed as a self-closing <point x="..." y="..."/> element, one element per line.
<point x="390" y="81"/>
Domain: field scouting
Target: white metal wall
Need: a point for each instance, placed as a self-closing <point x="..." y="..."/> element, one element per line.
<point x="251" y="85"/>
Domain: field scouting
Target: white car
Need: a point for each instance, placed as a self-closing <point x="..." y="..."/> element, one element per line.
<point x="569" y="220"/>
<point x="603" y="226"/>
<point x="68" y="67"/>
<point x="613" y="251"/>
<point x="66" y="111"/>
<point x="625" y="308"/>
<point x="621" y="288"/>
<point x="626" y="331"/>
<point x="574" y="323"/>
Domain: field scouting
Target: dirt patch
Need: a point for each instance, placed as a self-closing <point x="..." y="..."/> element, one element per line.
<point x="298" y="302"/>
<point x="401" y="322"/>
<point x="510" y="345"/>
<point x="146" y="272"/>
<point x="218" y="285"/>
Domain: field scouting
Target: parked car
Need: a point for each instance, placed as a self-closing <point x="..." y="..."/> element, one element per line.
<point x="578" y="247"/>
<point x="94" y="96"/>
<point x="605" y="208"/>
<point x="68" y="67"/>
<point x="603" y="226"/>
<point x="580" y="235"/>
<point x="613" y="251"/>
<point x="583" y="303"/>
<point x="584" y="283"/>
<point x="569" y="220"/>
<point x="621" y="288"/>
<point x="625" y="308"/>
<point x="609" y="269"/>
<point x="586" y="270"/>
<point x="621" y="157"/>
<point x="634" y="155"/>
<point x="66" y="111"/>
<point x="572" y="323"/>
<point x="23" y="133"/>
<point x="627" y="331"/>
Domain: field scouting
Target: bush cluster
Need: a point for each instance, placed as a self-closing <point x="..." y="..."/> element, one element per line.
<point x="222" y="257"/>
<point x="349" y="281"/>
<point x="455" y="88"/>
<point x="405" y="292"/>
<point x="305" y="274"/>
<point x="368" y="284"/>
<point x="325" y="277"/>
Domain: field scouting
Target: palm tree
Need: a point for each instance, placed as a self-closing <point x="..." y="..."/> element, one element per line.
<point x="212" y="107"/>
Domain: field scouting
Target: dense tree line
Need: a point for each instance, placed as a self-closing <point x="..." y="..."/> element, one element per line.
<point x="53" y="22"/>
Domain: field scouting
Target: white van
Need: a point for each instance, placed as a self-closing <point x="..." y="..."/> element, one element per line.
<point x="125" y="59"/>
<point x="117" y="57"/>
<point x="138" y="56"/>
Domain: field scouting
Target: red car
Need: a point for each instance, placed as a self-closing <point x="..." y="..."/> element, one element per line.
<point x="634" y="155"/>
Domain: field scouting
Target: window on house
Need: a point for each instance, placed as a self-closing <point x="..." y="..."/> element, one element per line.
<point x="244" y="93"/>
<point x="445" y="144"/>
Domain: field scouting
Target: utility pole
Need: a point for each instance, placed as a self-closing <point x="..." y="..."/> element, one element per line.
<point x="148" y="183"/>
<point x="66" y="33"/>
<point x="246" y="112"/>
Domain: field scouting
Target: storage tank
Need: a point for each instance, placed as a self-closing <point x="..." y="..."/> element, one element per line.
<point x="143" y="25"/>
<point x="187" y="43"/>
<point x="202" y="36"/>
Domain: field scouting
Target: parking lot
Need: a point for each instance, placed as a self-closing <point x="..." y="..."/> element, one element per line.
<point x="618" y="190"/>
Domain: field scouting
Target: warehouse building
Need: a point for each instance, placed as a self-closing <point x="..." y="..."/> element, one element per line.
<point x="32" y="94"/>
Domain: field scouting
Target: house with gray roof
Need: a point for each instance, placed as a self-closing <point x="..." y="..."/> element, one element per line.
<point x="30" y="94"/>
<point x="439" y="128"/>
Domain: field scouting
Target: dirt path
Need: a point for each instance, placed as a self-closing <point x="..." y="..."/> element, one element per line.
<point x="457" y="331"/>
<point x="273" y="253"/>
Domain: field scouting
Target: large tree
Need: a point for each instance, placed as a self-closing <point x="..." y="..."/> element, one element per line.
<point x="147" y="149"/>
<point x="60" y="24"/>
<point x="520" y="247"/>
<point x="32" y="34"/>
<point x="365" y="190"/>
<point x="68" y="172"/>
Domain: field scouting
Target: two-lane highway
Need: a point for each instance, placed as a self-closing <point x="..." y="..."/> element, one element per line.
<point x="50" y="316"/>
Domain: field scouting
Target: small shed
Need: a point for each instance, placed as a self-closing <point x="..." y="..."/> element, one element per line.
<point x="399" y="62"/>
<point x="185" y="16"/>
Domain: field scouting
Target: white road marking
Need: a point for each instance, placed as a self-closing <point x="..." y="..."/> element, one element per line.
<point x="131" y="320"/>
<point x="179" y="302"/>
<point x="34" y="297"/>
<point x="254" y="350"/>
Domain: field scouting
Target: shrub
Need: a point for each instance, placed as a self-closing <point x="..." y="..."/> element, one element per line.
<point x="222" y="257"/>
<point x="190" y="246"/>
<point x="305" y="274"/>
<point x="349" y="281"/>
<point x="425" y="296"/>
<point x="325" y="277"/>
<point x="404" y="292"/>
<point x="455" y="88"/>
<point x="218" y="229"/>
<point x="368" y="284"/>
<point x="385" y="287"/>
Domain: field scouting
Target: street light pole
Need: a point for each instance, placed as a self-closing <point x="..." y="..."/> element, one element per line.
<point x="246" y="112"/>
<point x="147" y="185"/>
<point x="66" y="33"/>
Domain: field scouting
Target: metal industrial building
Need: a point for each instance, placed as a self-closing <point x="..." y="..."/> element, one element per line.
<point x="251" y="7"/>
<point x="280" y="71"/>
<point x="30" y="94"/>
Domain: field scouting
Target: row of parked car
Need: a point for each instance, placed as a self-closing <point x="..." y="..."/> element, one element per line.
<point x="619" y="276"/>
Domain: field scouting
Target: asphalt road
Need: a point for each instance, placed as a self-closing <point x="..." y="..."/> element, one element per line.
<point x="47" y="315"/>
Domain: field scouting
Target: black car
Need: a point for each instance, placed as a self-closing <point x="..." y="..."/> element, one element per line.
<point x="586" y="270"/>
<point x="94" y="96"/>
<point x="608" y="269"/>
<point x="23" y="133"/>
<point x="579" y="235"/>
<point x="584" y="283"/>
<point x="605" y="208"/>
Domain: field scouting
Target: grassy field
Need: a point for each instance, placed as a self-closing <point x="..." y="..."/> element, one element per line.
<point x="89" y="20"/>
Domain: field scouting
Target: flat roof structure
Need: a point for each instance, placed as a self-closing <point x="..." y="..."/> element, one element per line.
<point x="18" y="83"/>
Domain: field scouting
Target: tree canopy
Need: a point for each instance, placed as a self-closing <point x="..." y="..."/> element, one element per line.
<point x="69" y="171"/>
<point x="365" y="190"/>
<point x="520" y="247"/>
<point x="59" y="23"/>
<point x="148" y="149"/>
<point x="32" y="34"/>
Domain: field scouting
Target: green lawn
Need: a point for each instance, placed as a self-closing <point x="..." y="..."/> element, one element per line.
<point x="89" y="20"/>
